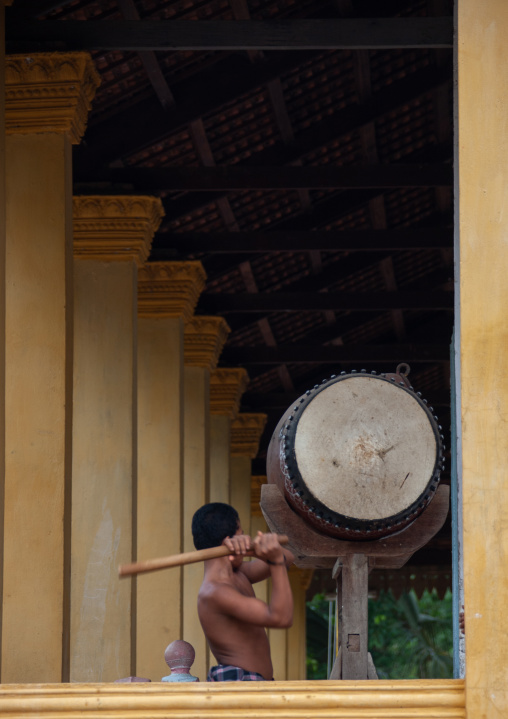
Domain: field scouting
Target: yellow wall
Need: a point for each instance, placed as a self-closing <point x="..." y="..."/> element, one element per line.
<point x="483" y="228"/>
<point x="2" y="298"/>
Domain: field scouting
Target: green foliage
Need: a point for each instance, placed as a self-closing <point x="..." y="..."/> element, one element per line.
<point x="408" y="638"/>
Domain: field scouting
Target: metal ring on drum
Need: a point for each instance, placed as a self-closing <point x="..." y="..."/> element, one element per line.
<point x="359" y="456"/>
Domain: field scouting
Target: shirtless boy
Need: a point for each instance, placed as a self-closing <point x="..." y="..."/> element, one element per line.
<point x="233" y="619"/>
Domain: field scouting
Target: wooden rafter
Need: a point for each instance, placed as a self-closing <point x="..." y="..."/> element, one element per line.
<point x="283" y="400"/>
<point x="297" y="240"/>
<point x="223" y="302"/>
<point x="298" y="354"/>
<point x="308" y="34"/>
<point x="238" y="177"/>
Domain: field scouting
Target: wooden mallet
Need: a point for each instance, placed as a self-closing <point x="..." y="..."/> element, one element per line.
<point x="177" y="560"/>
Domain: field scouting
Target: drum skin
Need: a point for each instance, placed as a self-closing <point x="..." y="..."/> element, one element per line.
<point x="359" y="457"/>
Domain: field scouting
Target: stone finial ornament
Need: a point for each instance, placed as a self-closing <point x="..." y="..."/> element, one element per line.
<point x="179" y="656"/>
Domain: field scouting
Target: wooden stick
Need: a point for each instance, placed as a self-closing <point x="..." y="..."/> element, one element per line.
<point x="177" y="560"/>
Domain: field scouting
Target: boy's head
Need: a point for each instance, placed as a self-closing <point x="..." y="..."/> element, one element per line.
<point x="212" y="523"/>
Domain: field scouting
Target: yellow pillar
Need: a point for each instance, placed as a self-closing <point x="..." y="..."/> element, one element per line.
<point x="288" y="646"/>
<point x="257" y="524"/>
<point x="2" y="297"/>
<point x="204" y="339"/>
<point x="246" y="431"/>
<point x="47" y="103"/>
<point x="482" y="173"/>
<point x="167" y="295"/>
<point x="226" y="389"/>
<point x="112" y="236"/>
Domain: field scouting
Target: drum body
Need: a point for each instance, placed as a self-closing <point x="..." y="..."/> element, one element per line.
<point x="358" y="457"/>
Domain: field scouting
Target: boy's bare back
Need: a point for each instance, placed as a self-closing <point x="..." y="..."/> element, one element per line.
<point x="233" y="619"/>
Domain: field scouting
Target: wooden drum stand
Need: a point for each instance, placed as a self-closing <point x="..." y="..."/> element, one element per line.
<point x="351" y="562"/>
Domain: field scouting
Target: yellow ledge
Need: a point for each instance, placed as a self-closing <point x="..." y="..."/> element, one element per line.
<point x="428" y="699"/>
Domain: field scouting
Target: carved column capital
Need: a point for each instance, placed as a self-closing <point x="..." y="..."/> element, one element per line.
<point x="49" y="92"/>
<point x="246" y="431"/>
<point x="111" y="228"/>
<point x="204" y="338"/>
<point x="226" y="389"/>
<point x="169" y="289"/>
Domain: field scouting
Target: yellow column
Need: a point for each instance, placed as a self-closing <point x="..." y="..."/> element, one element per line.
<point x="257" y="524"/>
<point x="482" y="173"/>
<point x="226" y="389"/>
<point x="296" y="635"/>
<point x="203" y="343"/>
<point x="2" y="296"/>
<point x="246" y="431"/>
<point x="112" y="236"/>
<point x="167" y="295"/>
<point x="47" y="103"/>
<point x="288" y="646"/>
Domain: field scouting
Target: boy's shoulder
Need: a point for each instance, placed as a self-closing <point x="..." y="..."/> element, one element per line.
<point x="215" y="589"/>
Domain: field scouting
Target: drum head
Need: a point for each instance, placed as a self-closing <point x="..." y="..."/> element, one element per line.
<point x="365" y="448"/>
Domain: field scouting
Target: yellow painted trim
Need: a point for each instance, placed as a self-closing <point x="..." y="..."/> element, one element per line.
<point x="431" y="699"/>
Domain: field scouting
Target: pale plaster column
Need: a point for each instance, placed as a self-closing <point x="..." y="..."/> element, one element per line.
<point x="48" y="97"/>
<point x="167" y="295"/>
<point x="2" y="301"/>
<point x="112" y="237"/>
<point x="288" y="646"/>
<point x="203" y="343"/>
<point x="246" y="431"/>
<point x="257" y="524"/>
<point x="296" y="635"/>
<point x="226" y="389"/>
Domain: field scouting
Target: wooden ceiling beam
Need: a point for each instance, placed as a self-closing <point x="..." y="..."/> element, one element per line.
<point x="348" y="120"/>
<point x="189" y="35"/>
<point x="240" y="177"/>
<point x="251" y="242"/>
<point x="149" y="59"/>
<point x="146" y="123"/>
<point x="282" y="400"/>
<point x="225" y="302"/>
<point x="303" y="354"/>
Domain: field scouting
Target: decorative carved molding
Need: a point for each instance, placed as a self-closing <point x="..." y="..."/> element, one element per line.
<point x="417" y="698"/>
<point x="49" y="92"/>
<point x="169" y="289"/>
<point x="115" y="228"/>
<point x="204" y="339"/>
<point x="255" y="495"/>
<point x="226" y="389"/>
<point x="246" y="431"/>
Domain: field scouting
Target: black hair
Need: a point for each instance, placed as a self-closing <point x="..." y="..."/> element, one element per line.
<point x="212" y="523"/>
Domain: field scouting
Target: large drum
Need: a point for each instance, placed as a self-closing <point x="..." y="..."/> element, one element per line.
<point x="359" y="456"/>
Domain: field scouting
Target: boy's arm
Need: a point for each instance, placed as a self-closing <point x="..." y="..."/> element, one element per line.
<point x="279" y="611"/>
<point x="255" y="571"/>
